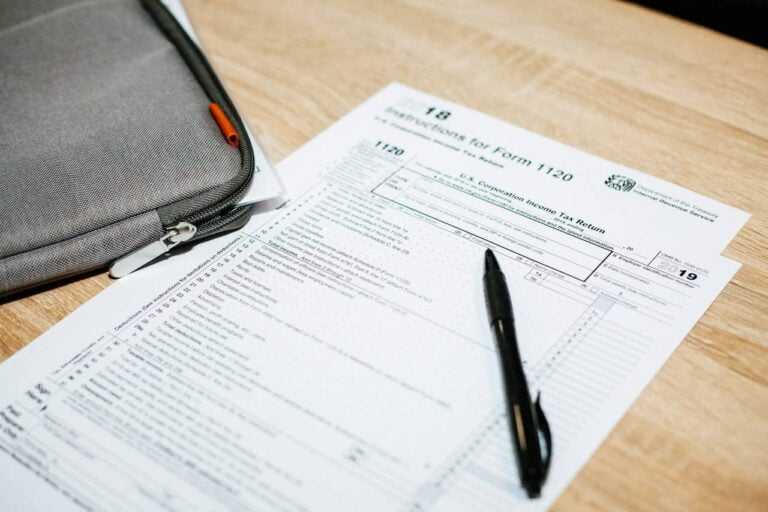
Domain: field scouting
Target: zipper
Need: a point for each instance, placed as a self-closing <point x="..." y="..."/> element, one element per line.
<point x="206" y="77"/>
<point x="173" y="236"/>
<point x="195" y="223"/>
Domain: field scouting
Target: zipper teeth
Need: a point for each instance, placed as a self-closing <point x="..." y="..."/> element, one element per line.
<point x="218" y="222"/>
<point x="205" y="75"/>
<point x="212" y="210"/>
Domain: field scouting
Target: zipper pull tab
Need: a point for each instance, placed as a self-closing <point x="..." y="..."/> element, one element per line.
<point x="174" y="235"/>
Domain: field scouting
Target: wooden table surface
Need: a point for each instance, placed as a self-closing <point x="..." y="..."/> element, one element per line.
<point x="672" y="99"/>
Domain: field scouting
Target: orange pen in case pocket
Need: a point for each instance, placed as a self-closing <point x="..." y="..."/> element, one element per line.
<point x="224" y="125"/>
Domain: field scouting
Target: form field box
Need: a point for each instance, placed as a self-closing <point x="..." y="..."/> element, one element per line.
<point x="505" y="227"/>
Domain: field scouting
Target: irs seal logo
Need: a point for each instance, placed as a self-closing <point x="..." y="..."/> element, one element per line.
<point x="621" y="183"/>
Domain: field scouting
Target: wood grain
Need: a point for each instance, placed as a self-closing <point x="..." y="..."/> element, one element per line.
<point x="672" y="99"/>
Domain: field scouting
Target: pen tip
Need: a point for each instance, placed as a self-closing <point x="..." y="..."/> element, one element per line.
<point x="490" y="261"/>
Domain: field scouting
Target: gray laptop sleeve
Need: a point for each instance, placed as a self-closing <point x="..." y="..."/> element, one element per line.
<point x="108" y="145"/>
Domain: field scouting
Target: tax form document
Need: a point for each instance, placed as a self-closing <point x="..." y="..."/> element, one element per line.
<point x="335" y="355"/>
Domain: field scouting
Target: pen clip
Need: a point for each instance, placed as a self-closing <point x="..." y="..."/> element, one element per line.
<point x="545" y="432"/>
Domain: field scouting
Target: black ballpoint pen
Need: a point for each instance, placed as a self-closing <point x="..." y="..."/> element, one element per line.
<point x="525" y="421"/>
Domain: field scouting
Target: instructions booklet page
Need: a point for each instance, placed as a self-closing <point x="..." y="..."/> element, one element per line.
<point x="335" y="354"/>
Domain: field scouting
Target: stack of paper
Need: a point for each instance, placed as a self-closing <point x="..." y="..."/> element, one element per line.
<point x="334" y="355"/>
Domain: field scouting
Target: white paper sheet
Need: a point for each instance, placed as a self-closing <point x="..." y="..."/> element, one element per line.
<point x="334" y="355"/>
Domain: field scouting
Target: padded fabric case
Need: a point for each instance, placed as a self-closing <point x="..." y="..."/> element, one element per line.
<point x="106" y="139"/>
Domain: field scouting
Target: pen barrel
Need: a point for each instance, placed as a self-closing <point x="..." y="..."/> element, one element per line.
<point x="522" y="419"/>
<point x="497" y="300"/>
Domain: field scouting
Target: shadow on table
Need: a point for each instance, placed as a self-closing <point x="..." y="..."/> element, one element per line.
<point x="744" y="19"/>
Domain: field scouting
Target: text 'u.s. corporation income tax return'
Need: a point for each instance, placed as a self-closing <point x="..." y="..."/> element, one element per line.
<point x="335" y="355"/>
